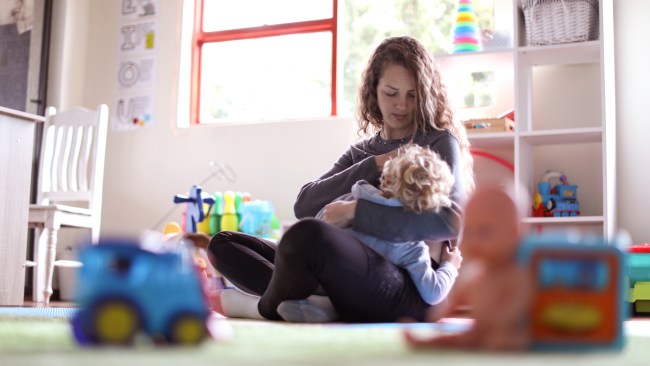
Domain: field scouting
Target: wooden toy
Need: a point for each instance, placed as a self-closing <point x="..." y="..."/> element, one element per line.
<point x="482" y="125"/>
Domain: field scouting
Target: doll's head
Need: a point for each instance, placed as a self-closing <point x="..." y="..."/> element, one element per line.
<point x="418" y="178"/>
<point x="491" y="227"/>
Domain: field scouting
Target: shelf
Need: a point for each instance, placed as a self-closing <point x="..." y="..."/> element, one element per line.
<point x="476" y="61"/>
<point x="572" y="220"/>
<point x="561" y="54"/>
<point x="563" y="136"/>
<point x="491" y="139"/>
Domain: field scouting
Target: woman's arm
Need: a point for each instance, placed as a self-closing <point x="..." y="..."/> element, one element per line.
<point x="336" y="182"/>
<point x="399" y="225"/>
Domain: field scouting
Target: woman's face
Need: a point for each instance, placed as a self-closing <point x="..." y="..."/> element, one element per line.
<point x="396" y="99"/>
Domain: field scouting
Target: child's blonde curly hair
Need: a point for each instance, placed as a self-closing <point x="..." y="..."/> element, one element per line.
<point x="418" y="178"/>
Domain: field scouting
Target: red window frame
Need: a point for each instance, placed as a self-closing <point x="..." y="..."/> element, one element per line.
<point x="200" y="38"/>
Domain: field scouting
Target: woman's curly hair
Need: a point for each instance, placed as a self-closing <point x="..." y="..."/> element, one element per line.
<point x="432" y="105"/>
<point x="418" y="178"/>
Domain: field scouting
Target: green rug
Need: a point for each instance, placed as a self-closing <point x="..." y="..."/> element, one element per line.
<point x="48" y="341"/>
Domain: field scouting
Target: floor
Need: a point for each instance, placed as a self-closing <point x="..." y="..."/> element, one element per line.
<point x="54" y="303"/>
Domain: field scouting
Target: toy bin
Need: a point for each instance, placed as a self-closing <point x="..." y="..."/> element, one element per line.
<point x="639" y="277"/>
<point x="67" y="268"/>
<point x="560" y="21"/>
<point x="256" y="218"/>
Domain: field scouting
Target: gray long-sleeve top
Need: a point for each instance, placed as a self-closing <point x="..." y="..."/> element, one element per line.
<point x="385" y="222"/>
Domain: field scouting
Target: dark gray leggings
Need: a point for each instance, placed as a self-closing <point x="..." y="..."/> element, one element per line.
<point x="312" y="257"/>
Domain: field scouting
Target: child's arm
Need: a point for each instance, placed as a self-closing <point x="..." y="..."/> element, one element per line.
<point x="445" y="277"/>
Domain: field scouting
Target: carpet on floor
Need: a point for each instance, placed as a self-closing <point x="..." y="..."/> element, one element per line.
<point x="31" y="340"/>
<point x="38" y="312"/>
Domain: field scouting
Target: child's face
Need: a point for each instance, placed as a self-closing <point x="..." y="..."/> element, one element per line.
<point x="490" y="231"/>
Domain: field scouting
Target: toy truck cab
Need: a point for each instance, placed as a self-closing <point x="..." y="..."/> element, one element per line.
<point x="124" y="289"/>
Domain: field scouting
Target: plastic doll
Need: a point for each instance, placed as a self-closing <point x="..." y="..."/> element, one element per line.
<point x="497" y="289"/>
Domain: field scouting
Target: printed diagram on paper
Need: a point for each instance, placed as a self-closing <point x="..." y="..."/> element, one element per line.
<point x="135" y="74"/>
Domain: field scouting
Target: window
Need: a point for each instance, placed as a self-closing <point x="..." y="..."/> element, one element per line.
<point x="280" y="60"/>
<point x="277" y="61"/>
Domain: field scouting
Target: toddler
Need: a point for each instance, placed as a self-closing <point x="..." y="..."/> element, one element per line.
<point x="418" y="180"/>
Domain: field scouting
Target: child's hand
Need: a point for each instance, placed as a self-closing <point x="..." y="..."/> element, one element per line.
<point x="452" y="256"/>
<point x="340" y="213"/>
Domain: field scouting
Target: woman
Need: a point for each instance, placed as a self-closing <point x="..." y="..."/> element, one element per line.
<point x="402" y="100"/>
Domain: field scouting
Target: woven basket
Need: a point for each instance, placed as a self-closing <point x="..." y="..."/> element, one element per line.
<point x="560" y="21"/>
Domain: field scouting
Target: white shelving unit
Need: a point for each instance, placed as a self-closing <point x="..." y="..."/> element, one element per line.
<point x="564" y="102"/>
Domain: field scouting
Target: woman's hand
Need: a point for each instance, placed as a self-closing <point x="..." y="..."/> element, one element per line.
<point x="452" y="256"/>
<point x="340" y="213"/>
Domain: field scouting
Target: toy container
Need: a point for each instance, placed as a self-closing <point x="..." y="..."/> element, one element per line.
<point x="579" y="291"/>
<point x="257" y="217"/>
<point x="639" y="277"/>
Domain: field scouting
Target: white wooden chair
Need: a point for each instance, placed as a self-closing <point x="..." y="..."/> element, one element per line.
<point x="71" y="173"/>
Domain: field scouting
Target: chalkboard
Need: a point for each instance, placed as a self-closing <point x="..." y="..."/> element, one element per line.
<point x="14" y="67"/>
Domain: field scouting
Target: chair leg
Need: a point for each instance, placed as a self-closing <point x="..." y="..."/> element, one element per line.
<point x="49" y="263"/>
<point x="38" y="272"/>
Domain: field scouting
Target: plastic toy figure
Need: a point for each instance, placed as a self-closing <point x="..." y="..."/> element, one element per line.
<point x="551" y="291"/>
<point x="497" y="288"/>
<point x="194" y="213"/>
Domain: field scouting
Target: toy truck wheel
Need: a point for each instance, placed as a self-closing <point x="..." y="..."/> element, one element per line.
<point x="115" y="322"/>
<point x="187" y="329"/>
<point x="80" y="329"/>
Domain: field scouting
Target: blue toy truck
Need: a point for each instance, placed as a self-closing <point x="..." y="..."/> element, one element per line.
<point x="124" y="290"/>
<point x="556" y="200"/>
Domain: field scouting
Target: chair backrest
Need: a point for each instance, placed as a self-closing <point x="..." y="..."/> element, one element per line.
<point x="72" y="156"/>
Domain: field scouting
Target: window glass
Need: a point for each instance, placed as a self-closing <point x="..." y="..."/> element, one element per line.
<point x="477" y="89"/>
<point x="290" y="76"/>
<point x="236" y="14"/>
<point x="364" y="24"/>
<point x="267" y="78"/>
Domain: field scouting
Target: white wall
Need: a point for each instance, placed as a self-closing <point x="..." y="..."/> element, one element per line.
<point x="68" y="53"/>
<point x="633" y="117"/>
<point x="145" y="168"/>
